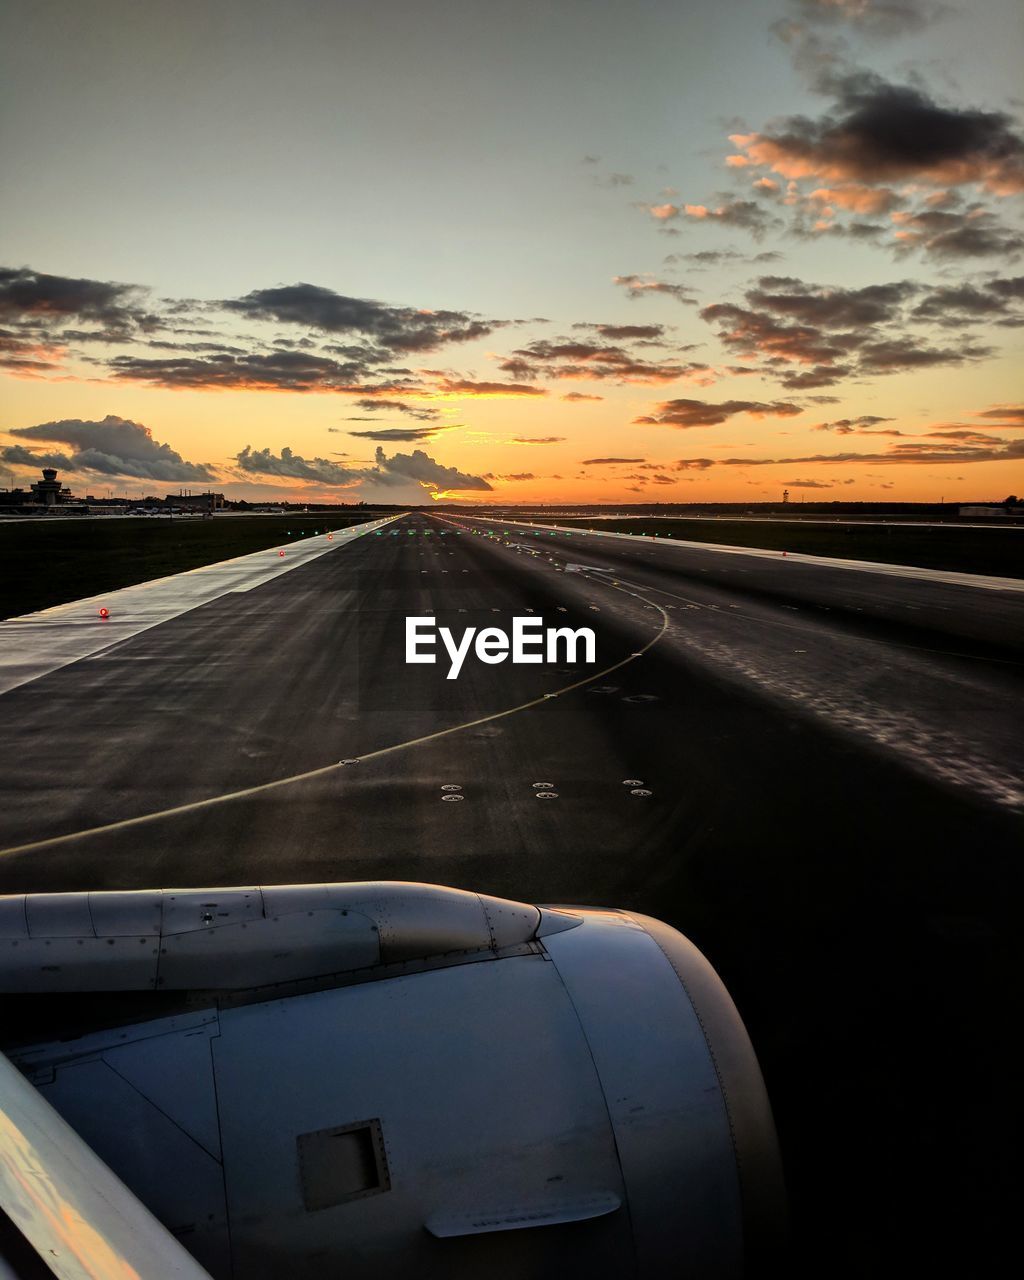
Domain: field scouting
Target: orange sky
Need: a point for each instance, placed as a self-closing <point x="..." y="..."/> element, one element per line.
<point x="506" y="268"/>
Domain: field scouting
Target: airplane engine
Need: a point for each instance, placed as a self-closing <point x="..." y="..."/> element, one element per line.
<point x="396" y="1079"/>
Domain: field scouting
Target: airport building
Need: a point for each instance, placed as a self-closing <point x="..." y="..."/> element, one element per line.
<point x="47" y="492"/>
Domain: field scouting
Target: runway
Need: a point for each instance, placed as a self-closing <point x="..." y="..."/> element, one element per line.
<point x="816" y="773"/>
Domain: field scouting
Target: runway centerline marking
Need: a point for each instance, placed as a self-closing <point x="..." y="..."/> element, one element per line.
<point x="196" y="806"/>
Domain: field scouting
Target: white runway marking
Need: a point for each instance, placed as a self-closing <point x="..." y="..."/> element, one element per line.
<point x="35" y="644"/>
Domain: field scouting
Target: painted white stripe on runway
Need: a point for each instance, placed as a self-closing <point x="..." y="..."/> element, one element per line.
<point x="35" y="644"/>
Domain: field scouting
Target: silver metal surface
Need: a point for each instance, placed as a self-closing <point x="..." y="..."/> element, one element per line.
<point x="239" y="938"/>
<point x="527" y="1092"/>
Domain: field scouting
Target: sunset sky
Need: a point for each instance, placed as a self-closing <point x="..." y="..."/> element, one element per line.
<point x="574" y="251"/>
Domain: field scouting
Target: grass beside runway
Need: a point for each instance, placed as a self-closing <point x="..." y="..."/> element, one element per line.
<point x="998" y="552"/>
<point x="49" y="562"/>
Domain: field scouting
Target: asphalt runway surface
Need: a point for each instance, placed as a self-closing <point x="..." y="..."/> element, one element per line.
<point x="816" y="774"/>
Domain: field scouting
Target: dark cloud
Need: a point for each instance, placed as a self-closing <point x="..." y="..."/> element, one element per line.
<point x="519" y="475"/>
<point x="820" y="376"/>
<point x="694" y="464"/>
<point x="878" y="132"/>
<point x="565" y="358"/>
<point x="399" y="406"/>
<point x="829" y="333"/>
<point x="400" y="469"/>
<point x="865" y="425"/>
<point x="905" y="353"/>
<point x="699" y="413"/>
<point x="468" y="387"/>
<point x="33" y="295"/>
<point x="807" y="484"/>
<point x="577" y="397"/>
<point x="594" y="462"/>
<point x="973" y="233"/>
<point x="392" y="328"/>
<point x="263" y="462"/>
<point x="26" y="355"/>
<point x="746" y="215"/>
<point x="16" y="455"/>
<point x="425" y="471"/>
<point x="1010" y="414"/>
<point x="538" y="439"/>
<point x="403" y="435"/>
<point x="954" y="306"/>
<point x="117" y="447"/>
<point x="965" y="435"/>
<point x="829" y="307"/>
<point x="625" y="332"/>
<point x="276" y="371"/>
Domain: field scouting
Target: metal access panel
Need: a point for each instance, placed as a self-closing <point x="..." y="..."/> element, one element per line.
<point x="341" y="1164"/>
<point x="484" y="1148"/>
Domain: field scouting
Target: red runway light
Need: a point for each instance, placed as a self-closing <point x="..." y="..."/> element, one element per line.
<point x="280" y="553"/>
<point x="330" y="537"/>
<point x="104" y="613"/>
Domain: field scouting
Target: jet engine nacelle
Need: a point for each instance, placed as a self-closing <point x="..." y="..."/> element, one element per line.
<point x="405" y="1080"/>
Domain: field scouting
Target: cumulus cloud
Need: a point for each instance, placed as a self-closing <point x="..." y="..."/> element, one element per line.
<point x="699" y="413"/>
<point x="16" y="455"/>
<point x="427" y="472"/>
<point x="877" y="133"/>
<point x="117" y="447"/>
<point x="416" y="468"/>
<point x="263" y="462"/>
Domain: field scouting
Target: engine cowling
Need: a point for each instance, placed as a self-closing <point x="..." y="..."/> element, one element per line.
<point x="407" y="1080"/>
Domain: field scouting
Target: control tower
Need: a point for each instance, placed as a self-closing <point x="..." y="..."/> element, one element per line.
<point x="47" y="490"/>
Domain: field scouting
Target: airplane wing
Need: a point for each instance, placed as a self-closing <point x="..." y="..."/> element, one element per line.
<point x="80" y="1219"/>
